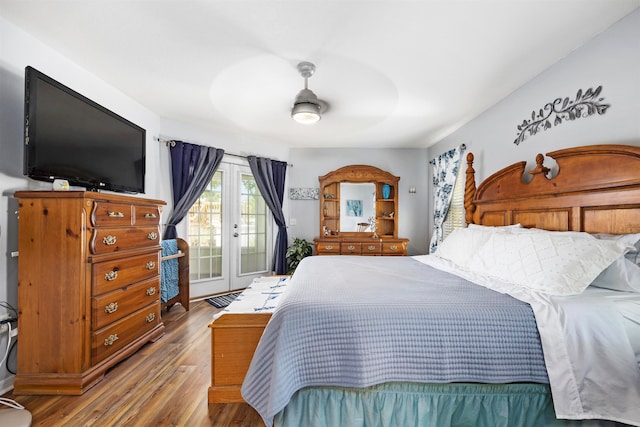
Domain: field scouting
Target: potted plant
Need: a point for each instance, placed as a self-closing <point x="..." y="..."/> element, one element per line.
<point x="296" y="252"/>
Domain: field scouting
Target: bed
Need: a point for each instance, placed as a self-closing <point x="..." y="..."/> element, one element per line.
<point x="596" y="190"/>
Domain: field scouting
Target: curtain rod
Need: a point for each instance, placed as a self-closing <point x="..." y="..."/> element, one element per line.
<point x="172" y="143"/>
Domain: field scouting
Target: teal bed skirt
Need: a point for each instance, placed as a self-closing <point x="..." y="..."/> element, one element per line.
<point x="410" y="404"/>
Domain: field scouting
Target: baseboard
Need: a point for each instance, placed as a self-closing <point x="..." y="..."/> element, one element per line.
<point x="6" y="384"/>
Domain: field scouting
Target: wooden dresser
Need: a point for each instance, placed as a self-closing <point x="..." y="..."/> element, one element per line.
<point x="336" y="245"/>
<point x="340" y="232"/>
<point x="88" y="286"/>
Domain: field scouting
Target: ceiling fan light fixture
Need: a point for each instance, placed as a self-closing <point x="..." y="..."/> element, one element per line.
<point x="305" y="113"/>
<point x="306" y="107"/>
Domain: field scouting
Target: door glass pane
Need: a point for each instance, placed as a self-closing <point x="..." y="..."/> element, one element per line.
<point x="205" y="232"/>
<point x="253" y="251"/>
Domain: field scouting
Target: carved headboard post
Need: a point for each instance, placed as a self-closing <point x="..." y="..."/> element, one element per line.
<point x="469" y="191"/>
<point x="540" y="167"/>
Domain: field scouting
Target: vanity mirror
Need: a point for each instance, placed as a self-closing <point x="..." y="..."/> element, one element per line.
<point x="357" y="206"/>
<point x="359" y="212"/>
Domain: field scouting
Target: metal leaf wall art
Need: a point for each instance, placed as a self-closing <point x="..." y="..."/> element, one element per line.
<point x="584" y="105"/>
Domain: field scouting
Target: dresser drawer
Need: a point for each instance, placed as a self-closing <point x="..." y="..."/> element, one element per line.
<point x="146" y="215"/>
<point x="110" y="275"/>
<point x="107" y="240"/>
<point x="108" y="214"/>
<point x="114" y="337"/>
<point x="117" y="304"/>
<point x="393" y="248"/>
<point x="350" y="248"/>
<point x="371" y="248"/>
<point x="328" y="248"/>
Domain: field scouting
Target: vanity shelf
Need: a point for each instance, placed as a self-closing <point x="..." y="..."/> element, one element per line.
<point x="335" y="238"/>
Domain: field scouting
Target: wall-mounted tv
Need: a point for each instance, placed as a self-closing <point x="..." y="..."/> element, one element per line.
<point x="68" y="136"/>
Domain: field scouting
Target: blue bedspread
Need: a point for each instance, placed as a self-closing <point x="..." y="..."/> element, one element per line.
<point x="361" y="321"/>
<point x="169" y="271"/>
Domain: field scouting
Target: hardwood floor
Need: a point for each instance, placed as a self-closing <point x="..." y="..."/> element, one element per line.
<point x="163" y="384"/>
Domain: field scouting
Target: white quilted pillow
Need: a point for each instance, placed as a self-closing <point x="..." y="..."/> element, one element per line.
<point x="557" y="263"/>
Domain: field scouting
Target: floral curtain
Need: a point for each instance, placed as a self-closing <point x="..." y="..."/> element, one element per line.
<point x="445" y="171"/>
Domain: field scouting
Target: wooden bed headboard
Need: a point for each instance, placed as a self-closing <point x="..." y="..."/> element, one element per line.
<point x="596" y="190"/>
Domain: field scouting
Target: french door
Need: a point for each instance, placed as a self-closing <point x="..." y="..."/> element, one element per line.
<point x="229" y="233"/>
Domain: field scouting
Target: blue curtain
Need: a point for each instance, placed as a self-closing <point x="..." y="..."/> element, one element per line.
<point x="445" y="171"/>
<point x="192" y="167"/>
<point x="270" y="176"/>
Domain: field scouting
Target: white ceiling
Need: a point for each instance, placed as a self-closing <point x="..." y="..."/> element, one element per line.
<point x="395" y="73"/>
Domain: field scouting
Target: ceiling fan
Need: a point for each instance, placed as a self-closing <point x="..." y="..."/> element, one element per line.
<point x="307" y="108"/>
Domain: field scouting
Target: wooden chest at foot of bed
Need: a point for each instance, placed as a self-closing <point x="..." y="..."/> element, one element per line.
<point x="234" y="338"/>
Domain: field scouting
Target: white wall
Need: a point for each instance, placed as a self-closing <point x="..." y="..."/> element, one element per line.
<point x="19" y="49"/>
<point x="409" y="164"/>
<point x="612" y="60"/>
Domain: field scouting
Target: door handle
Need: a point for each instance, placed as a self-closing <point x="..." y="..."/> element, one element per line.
<point x="235" y="234"/>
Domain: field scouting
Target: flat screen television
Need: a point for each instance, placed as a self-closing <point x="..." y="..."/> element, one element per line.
<point x="68" y="136"/>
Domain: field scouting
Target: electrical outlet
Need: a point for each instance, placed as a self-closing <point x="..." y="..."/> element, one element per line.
<point x="3" y="326"/>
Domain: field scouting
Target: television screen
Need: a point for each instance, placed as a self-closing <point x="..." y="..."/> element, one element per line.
<point x="68" y="136"/>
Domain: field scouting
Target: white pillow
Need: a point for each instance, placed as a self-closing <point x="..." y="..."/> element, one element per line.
<point x="632" y="239"/>
<point x="492" y="227"/>
<point x="557" y="263"/>
<point x="462" y="244"/>
<point x="622" y="275"/>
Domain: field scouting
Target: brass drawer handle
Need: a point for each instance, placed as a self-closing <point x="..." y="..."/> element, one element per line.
<point x="371" y="247"/>
<point x="111" y="276"/>
<point x="151" y="265"/>
<point x="152" y="236"/>
<point x="151" y="291"/>
<point x="109" y="240"/>
<point x="116" y="215"/>
<point x="150" y="317"/>
<point x="351" y="247"/>
<point x="393" y="247"/>
<point x="111" y="308"/>
<point x="109" y="341"/>
<point x="150" y="215"/>
<point x="328" y="247"/>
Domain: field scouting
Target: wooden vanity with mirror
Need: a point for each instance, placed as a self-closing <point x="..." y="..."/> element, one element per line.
<point x="359" y="213"/>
